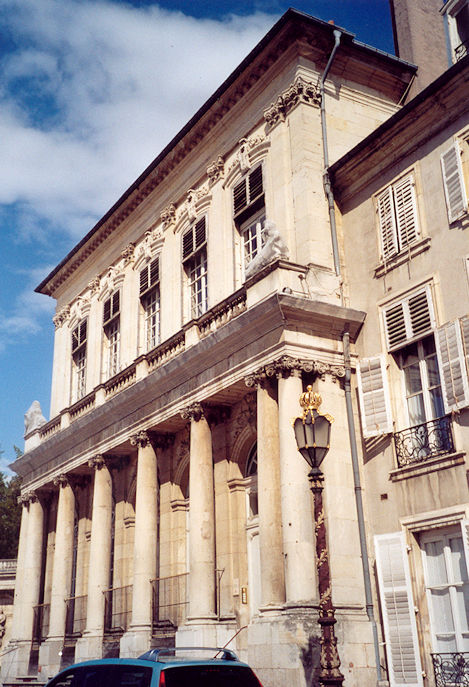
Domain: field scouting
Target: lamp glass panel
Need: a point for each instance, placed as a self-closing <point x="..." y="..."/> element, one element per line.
<point x="300" y="437"/>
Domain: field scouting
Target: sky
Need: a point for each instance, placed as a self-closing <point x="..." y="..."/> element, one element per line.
<point x="90" y="93"/>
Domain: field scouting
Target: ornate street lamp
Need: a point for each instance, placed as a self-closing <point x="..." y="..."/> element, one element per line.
<point x="312" y="434"/>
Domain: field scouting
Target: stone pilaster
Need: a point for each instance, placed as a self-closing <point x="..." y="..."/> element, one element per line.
<point x="137" y="639"/>
<point x="268" y="492"/>
<point x="90" y="645"/>
<point x="50" y="651"/>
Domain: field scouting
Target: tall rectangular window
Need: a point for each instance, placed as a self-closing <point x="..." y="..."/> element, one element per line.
<point x="150" y="301"/>
<point x="79" y="355"/>
<point x="249" y="213"/>
<point x="447" y="586"/>
<point x="194" y="258"/>
<point x="111" y="326"/>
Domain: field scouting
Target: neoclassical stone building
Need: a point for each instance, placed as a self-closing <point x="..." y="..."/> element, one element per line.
<point x="165" y="500"/>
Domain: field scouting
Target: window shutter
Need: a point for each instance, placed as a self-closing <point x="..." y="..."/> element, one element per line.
<point x="406" y="210"/>
<point x="79" y="335"/>
<point x="387" y="223"/>
<point x="452" y="360"/>
<point x="374" y="396"/>
<point x="194" y="239"/>
<point x="453" y="181"/>
<point x="256" y="187"/>
<point x="149" y="276"/>
<point x="400" y="630"/>
<point x="111" y="307"/>
<point x="240" y="196"/>
<point x="409" y="319"/>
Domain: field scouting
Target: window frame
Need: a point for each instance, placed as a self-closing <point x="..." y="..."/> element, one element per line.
<point x="79" y="359"/>
<point x="150" y="304"/>
<point x="112" y="333"/>
<point x="195" y="267"/>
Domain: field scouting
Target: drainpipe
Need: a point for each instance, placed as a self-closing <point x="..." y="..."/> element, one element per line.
<point x="348" y="372"/>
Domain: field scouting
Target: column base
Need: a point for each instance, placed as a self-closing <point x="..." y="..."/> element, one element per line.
<point x="16" y="659"/>
<point x="89" y="647"/>
<point x="50" y="656"/>
<point x="205" y="632"/>
<point x="135" y="641"/>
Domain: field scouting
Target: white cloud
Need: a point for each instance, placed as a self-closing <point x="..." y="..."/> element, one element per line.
<point x="93" y="92"/>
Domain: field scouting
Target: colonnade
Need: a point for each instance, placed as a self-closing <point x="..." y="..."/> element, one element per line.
<point x="285" y="529"/>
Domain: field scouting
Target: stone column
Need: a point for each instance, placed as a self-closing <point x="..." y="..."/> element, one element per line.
<point x="90" y="645"/>
<point x="17" y="623"/>
<point x="268" y="491"/>
<point x="137" y="639"/>
<point x="49" y="655"/>
<point x="27" y="588"/>
<point x="297" y="513"/>
<point x="32" y="564"/>
<point x="202" y="518"/>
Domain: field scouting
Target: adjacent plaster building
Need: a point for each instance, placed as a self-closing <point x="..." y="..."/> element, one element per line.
<point x="165" y="500"/>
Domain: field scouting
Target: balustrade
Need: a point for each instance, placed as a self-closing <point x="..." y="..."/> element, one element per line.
<point x="451" y="669"/>
<point x="421" y="442"/>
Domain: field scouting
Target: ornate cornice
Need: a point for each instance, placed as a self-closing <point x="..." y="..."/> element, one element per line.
<point x="287" y="365"/>
<point x="193" y="412"/>
<point x="97" y="462"/>
<point x="128" y="253"/>
<point x="141" y="439"/>
<point x="300" y="91"/>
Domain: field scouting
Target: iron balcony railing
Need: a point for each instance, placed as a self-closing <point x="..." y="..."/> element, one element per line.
<point x="75" y="620"/>
<point x="117" y="609"/>
<point x="41" y="622"/>
<point x="451" y="669"/>
<point x="421" y="442"/>
<point x="461" y="50"/>
<point x="170" y="600"/>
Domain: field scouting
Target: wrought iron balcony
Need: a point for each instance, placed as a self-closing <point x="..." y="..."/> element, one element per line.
<point x="461" y="50"/>
<point x="421" y="442"/>
<point x="451" y="669"/>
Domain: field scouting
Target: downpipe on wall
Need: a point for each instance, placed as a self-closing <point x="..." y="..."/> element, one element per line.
<point x="348" y="370"/>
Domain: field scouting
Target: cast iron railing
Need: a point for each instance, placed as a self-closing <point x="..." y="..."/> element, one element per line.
<point x="117" y="608"/>
<point x="170" y="600"/>
<point x="428" y="440"/>
<point x="451" y="670"/>
<point x="461" y="50"/>
<point x="41" y="622"/>
<point x="75" y="620"/>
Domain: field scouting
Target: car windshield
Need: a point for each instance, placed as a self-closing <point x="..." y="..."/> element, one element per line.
<point x="104" y="676"/>
<point x="209" y="676"/>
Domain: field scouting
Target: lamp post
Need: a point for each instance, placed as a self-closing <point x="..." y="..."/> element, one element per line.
<point x="312" y="434"/>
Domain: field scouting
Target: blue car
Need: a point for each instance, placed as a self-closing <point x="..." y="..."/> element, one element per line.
<point x="180" y="667"/>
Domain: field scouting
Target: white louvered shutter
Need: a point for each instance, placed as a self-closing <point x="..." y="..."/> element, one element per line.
<point x="452" y="360"/>
<point x="453" y="181"/>
<point x="409" y="319"/>
<point x="406" y="211"/>
<point x="387" y="223"/>
<point x="373" y="393"/>
<point x="400" y="631"/>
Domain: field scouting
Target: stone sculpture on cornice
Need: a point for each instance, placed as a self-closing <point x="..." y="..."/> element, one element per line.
<point x="300" y="91"/>
<point x="93" y="285"/>
<point x="193" y="412"/>
<point x="80" y="308"/>
<point x="216" y="170"/>
<point x="128" y="253"/>
<point x="168" y="216"/>
<point x="61" y="480"/>
<point x="61" y="317"/>
<point x="97" y="462"/>
<point x="274" y="248"/>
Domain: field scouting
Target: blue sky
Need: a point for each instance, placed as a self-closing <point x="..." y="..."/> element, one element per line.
<point x="90" y="92"/>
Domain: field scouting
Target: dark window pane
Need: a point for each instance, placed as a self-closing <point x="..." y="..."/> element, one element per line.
<point x="210" y="676"/>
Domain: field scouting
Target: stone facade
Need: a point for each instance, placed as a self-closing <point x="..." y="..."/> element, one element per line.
<point x="165" y="500"/>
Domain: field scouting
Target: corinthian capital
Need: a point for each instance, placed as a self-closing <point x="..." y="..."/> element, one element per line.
<point x="193" y="412"/>
<point x="97" y="462"/>
<point x="141" y="439"/>
<point x="61" y="481"/>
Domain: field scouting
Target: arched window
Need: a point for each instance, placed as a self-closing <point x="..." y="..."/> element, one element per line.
<point x="250" y="474"/>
